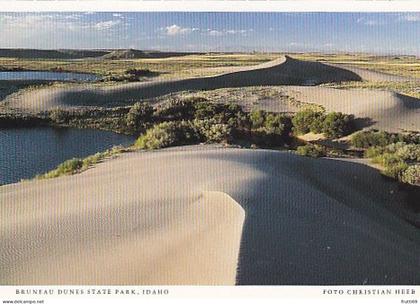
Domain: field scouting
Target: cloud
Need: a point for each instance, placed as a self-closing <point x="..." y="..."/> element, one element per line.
<point x="174" y="30"/>
<point x="412" y="17"/>
<point x="215" y="33"/>
<point x="226" y="32"/>
<point x="106" y="25"/>
<point x="369" y="22"/>
<point x="47" y="22"/>
<point x="51" y="30"/>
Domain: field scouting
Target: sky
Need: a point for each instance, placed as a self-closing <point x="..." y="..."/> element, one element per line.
<point x="381" y="33"/>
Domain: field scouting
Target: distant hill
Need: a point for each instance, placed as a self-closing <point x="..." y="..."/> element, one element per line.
<point x="51" y="54"/>
<point x="79" y="54"/>
<point x="133" y="54"/>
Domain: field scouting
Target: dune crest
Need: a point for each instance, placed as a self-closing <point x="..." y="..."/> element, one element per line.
<point x="283" y="71"/>
<point x="308" y="221"/>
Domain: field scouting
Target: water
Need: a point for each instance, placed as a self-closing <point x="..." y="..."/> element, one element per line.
<point x="45" y="75"/>
<point x="26" y="152"/>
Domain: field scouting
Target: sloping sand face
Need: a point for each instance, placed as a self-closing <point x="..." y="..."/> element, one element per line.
<point x="284" y="71"/>
<point x="370" y="75"/>
<point x="134" y="230"/>
<point x="384" y="110"/>
<point x="172" y="217"/>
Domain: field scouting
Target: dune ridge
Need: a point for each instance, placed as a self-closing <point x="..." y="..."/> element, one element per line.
<point x="375" y="76"/>
<point x="126" y="221"/>
<point x="384" y="110"/>
<point x="283" y="71"/>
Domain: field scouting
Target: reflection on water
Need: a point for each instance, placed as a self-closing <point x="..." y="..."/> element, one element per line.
<point x="26" y="152"/>
<point x="45" y="75"/>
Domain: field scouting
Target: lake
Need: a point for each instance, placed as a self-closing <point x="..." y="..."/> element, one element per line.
<point x="26" y="152"/>
<point x="46" y="75"/>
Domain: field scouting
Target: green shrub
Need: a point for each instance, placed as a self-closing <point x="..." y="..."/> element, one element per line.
<point x="411" y="175"/>
<point x="411" y="138"/>
<point x="406" y="152"/>
<point x="177" y="109"/>
<point x="76" y="165"/>
<point x="91" y="160"/>
<point x="317" y="124"/>
<point x="139" y="115"/>
<point x="168" y="134"/>
<point x="275" y="124"/>
<point x="230" y="114"/>
<point x="70" y="166"/>
<point x="257" y="118"/>
<point x="269" y="129"/>
<point x="389" y="159"/>
<point x="308" y="120"/>
<point x="212" y="131"/>
<point x="59" y="116"/>
<point x="395" y="170"/>
<point x="311" y="151"/>
<point x="373" y="152"/>
<point x="337" y="124"/>
<point x="409" y="152"/>
<point x="205" y="110"/>
<point x="366" y="139"/>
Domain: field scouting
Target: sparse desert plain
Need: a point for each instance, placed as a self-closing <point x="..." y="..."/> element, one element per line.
<point x="290" y="169"/>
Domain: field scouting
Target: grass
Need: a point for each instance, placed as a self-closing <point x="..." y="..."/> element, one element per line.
<point x="407" y="88"/>
<point x="197" y="65"/>
<point x="77" y="165"/>
<point x="396" y="65"/>
<point x="184" y="66"/>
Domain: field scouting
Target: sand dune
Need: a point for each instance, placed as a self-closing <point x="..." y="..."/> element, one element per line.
<point x="370" y="75"/>
<point x="387" y="110"/>
<point x="127" y="221"/>
<point x="285" y="70"/>
<point x="384" y="110"/>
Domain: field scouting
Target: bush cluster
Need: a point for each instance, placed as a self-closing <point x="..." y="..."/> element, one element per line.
<point x="212" y="131"/>
<point x="270" y="123"/>
<point x="337" y="124"/>
<point x="59" y="116"/>
<point x="411" y="175"/>
<point x="176" y="133"/>
<point x="176" y="109"/>
<point x="311" y="150"/>
<point x="211" y="122"/>
<point x="333" y="125"/>
<point x="372" y="138"/>
<point x="167" y="134"/>
<point x="400" y="160"/>
<point x="139" y="116"/>
<point x="131" y="75"/>
<point x="308" y="120"/>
